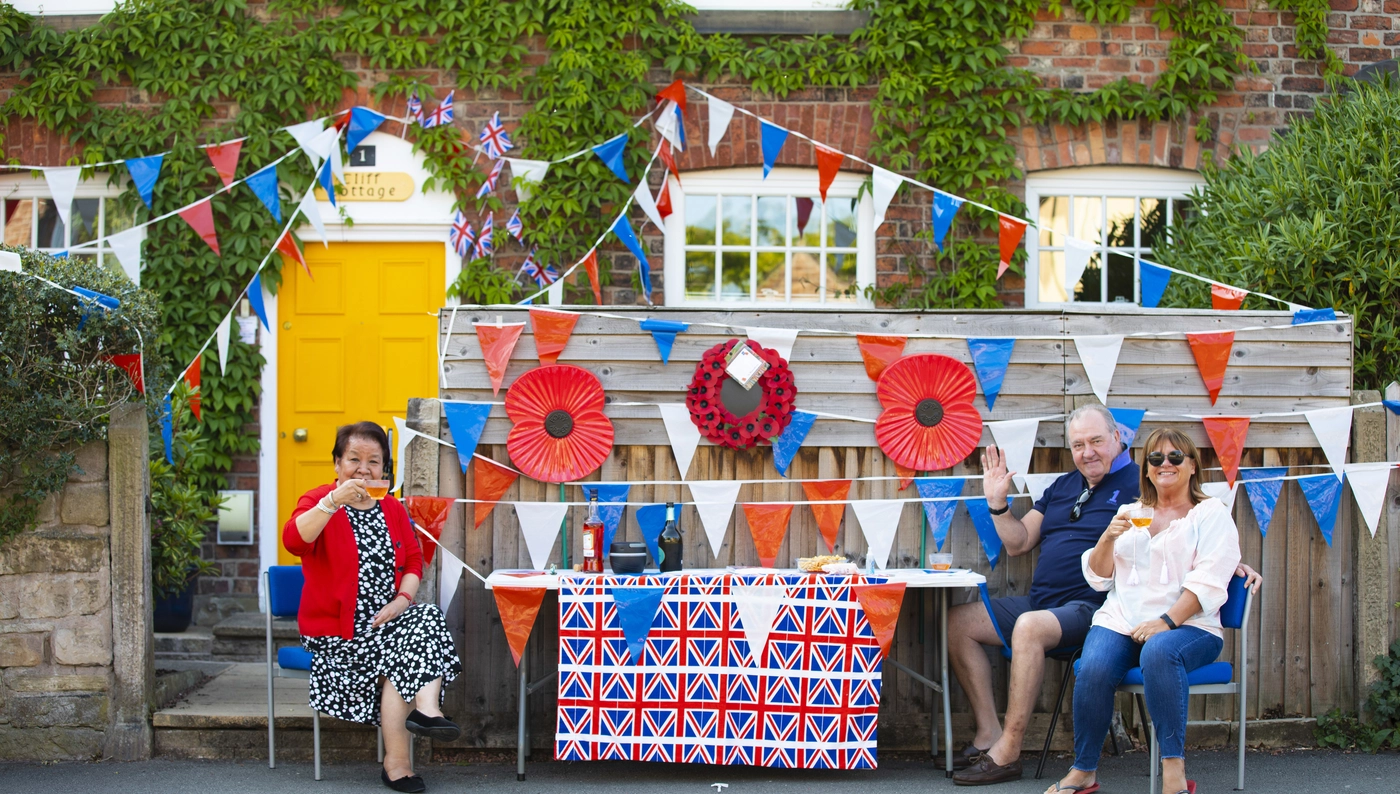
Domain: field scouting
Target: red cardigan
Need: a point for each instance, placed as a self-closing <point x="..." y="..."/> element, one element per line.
<point x="331" y="564"/>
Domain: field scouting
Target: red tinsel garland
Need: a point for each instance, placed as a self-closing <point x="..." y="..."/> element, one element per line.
<point x="725" y="429"/>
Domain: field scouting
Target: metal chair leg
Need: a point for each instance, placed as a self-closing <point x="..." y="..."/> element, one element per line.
<point x="1054" y="719"/>
<point x="271" y="711"/>
<point x="380" y="735"/>
<point x="316" y="741"/>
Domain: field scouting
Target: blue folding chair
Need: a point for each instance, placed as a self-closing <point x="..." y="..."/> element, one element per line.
<point x="1216" y="678"/>
<point x="282" y="585"/>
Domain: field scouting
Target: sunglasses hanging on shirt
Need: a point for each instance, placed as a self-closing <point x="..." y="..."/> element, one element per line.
<point x="1078" y="509"/>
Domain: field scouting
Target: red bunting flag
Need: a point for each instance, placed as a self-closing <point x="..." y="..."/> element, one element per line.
<point x="497" y="343"/>
<point x="881" y="603"/>
<point x="191" y="377"/>
<point x="1223" y="298"/>
<point x="590" y="265"/>
<point x="1227" y="435"/>
<point x="224" y="156"/>
<point x="552" y="331"/>
<point x="492" y="481"/>
<point x="130" y="363"/>
<point x="879" y="352"/>
<point x="828" y="164"/>
<point x="768" y="523"/>
<point x="430" y="513"/>
<point x="1007" y="239"/>
<point x="663" y="200"/>
<point x="287" y="247"/>
<point x="1212" y="352"/>
<point x="828" y="515"/>
<point x="200" y="217"/>
<point x="674" y="92"/>
<point x="669" y="159"/>
<point x="906" y="475"/>
<point x="518" y="607"/>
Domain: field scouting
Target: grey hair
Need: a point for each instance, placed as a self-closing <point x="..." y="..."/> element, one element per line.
<point x="1096" y="409"/>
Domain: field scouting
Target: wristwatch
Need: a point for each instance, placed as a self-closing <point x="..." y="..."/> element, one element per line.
<point x="1171" y="624"/>
<point x="999" y="511"/>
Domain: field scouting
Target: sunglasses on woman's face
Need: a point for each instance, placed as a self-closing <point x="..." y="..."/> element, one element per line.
<point x="1176" y="457"/>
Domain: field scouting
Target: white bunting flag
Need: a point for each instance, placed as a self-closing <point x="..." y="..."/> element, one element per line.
<point x="308" y="208"/>
<point x="539" y="523"/>
<point x="684" y="435"/>
<point x="10" y="262"/>
<point x="337" y="164"/>
<point x="1077" y="253"/>
<point x="883" y="185"/>
<point x="1332" y="426"/>
<point x="127" y="246"/>
<point x="668" y="124"/>
<point x="305" y="134"/>
<point x="221" y="340"/>
<point x="879" y="521"/>
<point x="448" y="577"/>
<point x="780" y="339"/>
<point x="1099" y="355"/>
<point x="648" y="205"/>
<point x="1017" y="440"/>
<point x="1368" y="485"/>
<point x="1037" y="483"/>
<point x="63" y="183"/>
<point x="714" y="501"/>
<point x="758" y="606"/>
<point x="720" y="114"/>
<point x="526" y="172"/>
<point x="1223" y="491"/>
<point x="402" y="435"/>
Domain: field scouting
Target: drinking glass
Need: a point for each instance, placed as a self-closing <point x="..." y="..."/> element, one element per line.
<point x="378" y="489"/>
<point x="1140" y="517"/>
<point x="940" y="561"/>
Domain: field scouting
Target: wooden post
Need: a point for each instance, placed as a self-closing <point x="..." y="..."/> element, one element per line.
<point x="1392" y="506"/>
<point x="129" y="735"/>
<point x="420" y="474"/>
<point x="1371" y="560"/>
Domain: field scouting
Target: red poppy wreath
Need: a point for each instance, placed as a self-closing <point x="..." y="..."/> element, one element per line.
<point x="730" y="416"/>
<point x="560" y="432"/>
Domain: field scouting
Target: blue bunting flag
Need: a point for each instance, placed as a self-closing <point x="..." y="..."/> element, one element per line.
<point x="773" y="138"/>
<point x="611" y="152"/>
<point x="940" y="514"/>
<point x="1323" y="492"/>
<point x="636" y="609"/>
<point x="986" y="529"/>
<point x="623" y="229"/>
<point x="466" y="420"/>
<point x="945" y="206"/>
<point x="144" y="173"/>
<point x="1263" y="487"/>
<point x="650" y="520"/>
<point x="264" y="186"/>
<point x="990" y="358"/>
<point x="664" y="332"/>
<point x="363" y="121"/>
<point x="612" y="501"/>
<point x="785" y="446"/>
<point x="1152" y="280"/>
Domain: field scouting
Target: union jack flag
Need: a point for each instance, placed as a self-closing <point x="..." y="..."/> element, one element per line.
<point x="516" y="227"/>
<point x="490" y="184"/>
<point x="494" y="140"/>
<point x="415" y="108"/>
<point x="462" y="238"/>
<point x="485" y="246"/>
<point x="544" y="275"/>
<point x="441" y="115"/>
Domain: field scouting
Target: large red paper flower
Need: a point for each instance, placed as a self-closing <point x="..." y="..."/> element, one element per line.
<point x="929" y="422"/>
<point x="773" y="412"/>
<point x="560" y="432"/>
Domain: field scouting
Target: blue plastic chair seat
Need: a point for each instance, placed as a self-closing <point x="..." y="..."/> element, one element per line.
<point x="294" y="657"/>
<point x="1213" y="673"/>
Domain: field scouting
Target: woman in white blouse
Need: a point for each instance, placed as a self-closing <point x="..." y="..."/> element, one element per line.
<point x="1166" y="583"/>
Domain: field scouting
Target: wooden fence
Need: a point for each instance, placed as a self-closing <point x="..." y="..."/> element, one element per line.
<point x="1303" y="648"/>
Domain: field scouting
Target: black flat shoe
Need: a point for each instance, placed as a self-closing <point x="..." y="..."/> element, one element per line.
<point x="412" y="784"/>
<point x="438" y="728"/>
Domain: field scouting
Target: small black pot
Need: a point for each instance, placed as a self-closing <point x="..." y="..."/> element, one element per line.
<point x="174" y="613"/>
<point x="627" y="557"/>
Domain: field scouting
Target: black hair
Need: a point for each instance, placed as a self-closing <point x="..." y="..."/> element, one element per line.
<point x="368" y="431"/>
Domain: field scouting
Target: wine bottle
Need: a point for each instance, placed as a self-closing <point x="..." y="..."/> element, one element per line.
<point x="670" y="541"/>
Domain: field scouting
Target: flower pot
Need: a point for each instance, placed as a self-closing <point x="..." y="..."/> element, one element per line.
<point x="174" y="613"/>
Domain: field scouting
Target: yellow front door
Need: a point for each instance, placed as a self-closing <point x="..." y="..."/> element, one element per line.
<point x="356" y="341"/>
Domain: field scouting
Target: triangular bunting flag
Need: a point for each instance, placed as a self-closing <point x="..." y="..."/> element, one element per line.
<point x="1392" y="405"/>
<point x="264" y="186"/>
<point x="721" y="113"/>
<point x="221" y="335"/>
<point x="540" y="523"/>
<point x="780" y="339"/>
<point x="312" y="213"/>
<point x="144" y="172"/>
<point x="651" y="519"/>
<point x="879" y="352"/>
<point x="664" y="333"/>
<point x="883" y="185"/>
<point x="879" y="521"/>
<point x="945" y="207"/>
<point x="224" y="158"/>
<point x="526" y="173"/>
<point x="127" y="246"/>
<point x="1212" y="354"/>
<point x="636" y="609"/>
<point x="906" y="475"/>
<point x="664" y="152"/>
<point x="1008" y="238"/>
<point x="674" y="92"/>
<point x="492" y="481"/>
<point x="881" y="603"/>
<point x="671" y="126"/>
<point x="1099" y="355"/>
<point x="1152" y="283"/>
<point x="305" y="133"/>
<point x="1332" y="426"/>
<point x="939" y="513"/>
<point x="644" y="200"/>
<point x="192" y="377"/>
<point x="402" y="436"/>
<point x="772" y="137"/>
<point x="363" y="121"/>
<point x="1227" y="434"/>
<point x="449" y="577"/>
<point x="497" y="343"/>
<point x="1037" y="483"/>
<point x="1263" y="487"/>
<point x="990" y="358"/>
<point x="612" y="502"/>
<point x="1223" y="491"/>
<point x="167" y="430"/>
<point x="287" y="247"/>
<point x="828" y="166"/>
<point x="758" y="606"/>
<point x="552" y="331"/>
<point x="1017" y="440"/>
<point x="768" y="523"/>
<point x="663" y="200"/>
<point x="518" y="607"/>
<point x="466" y="421"/>
<point x="1077" y="254"/>
<point x="785" y="446"/>
<point x="1128" y="420"/>
<point x="1305" y="315"/>
<point x="430" y="514"/>
<point x="200" y="217"/>
<point x="255" y="299"/>
<point x="1368" y="485"/>
<point x="1223" y="298"/>
<point x="714" y="501"/>
<point x="828" y="515"/>
<point x="130" y="363"/>
<point x="63" y="183"/>
<point x="623" y="229"/>
<point x="326" y="179"/>
<point x="986" y="529"/>
<point x="1323" y="492"/>
<point x="682" y="432"/>
<point x="611" y="153"/>
<point x="590" y="266"/>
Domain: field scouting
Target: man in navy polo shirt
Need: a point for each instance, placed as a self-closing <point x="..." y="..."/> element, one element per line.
<point x="1067" y="520"/>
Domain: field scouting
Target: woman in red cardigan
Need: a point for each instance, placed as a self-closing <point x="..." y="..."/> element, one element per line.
<point x="379" y="658"/>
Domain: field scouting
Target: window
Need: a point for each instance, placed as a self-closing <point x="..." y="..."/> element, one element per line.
<point x="1123" y="211"/>
<point x="769" y="5"/>
<point x="57" y="8"/>
<point x="738" y="239"/>
<point x="30" y="218"/>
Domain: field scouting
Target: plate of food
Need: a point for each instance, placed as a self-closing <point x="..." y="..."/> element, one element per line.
<point x="817" y="564"/>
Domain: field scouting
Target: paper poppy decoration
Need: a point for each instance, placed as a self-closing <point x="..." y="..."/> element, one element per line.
<point x="559" y="432"/>
<point x="929" y="422"/>
<point x="772" y="411"/>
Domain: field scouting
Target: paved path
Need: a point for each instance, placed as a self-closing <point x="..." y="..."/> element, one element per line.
<point x="1328" y="771"/>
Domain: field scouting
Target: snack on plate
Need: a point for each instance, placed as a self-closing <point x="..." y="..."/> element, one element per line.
<point x="841" y="568"/>
<point x="814" y="564"/>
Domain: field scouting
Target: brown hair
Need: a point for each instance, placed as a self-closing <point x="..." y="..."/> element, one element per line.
<point x="1182" y="442"/>
<point x="369" y="431"/>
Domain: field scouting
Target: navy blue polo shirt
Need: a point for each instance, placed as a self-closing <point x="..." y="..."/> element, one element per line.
<point x="1058" y="577"/>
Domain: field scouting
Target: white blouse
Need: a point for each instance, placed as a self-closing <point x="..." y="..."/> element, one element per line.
<point x="1197" y="552"/>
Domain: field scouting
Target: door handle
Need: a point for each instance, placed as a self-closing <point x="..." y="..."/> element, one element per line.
<point x="299" y="434"/>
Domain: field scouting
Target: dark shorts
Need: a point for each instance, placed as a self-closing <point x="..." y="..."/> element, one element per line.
<point x="1075" y="618"/>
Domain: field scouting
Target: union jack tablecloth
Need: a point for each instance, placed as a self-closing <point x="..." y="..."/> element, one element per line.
<point x="697" y="697"/>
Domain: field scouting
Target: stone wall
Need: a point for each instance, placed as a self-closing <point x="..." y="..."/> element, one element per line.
<point x="65" y="686"/>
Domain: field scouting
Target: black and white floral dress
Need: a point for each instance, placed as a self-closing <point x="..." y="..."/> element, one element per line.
<point x="410" y="650"/>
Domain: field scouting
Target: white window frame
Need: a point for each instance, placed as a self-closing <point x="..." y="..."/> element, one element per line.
<point x="24" y="187"/>
<point x="63" y="8"/>
<point x="1104" y="182"/>
<point x="780" y="182"/>
<point x="769" y="5"/>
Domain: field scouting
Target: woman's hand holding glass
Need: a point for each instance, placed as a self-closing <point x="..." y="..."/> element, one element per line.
<point x="350" y="492"/>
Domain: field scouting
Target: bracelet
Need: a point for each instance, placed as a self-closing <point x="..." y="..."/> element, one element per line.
<point x="1003" y="510"/>
<point x="328" y="509"/>
<point x="1171" y="624"/>
<point x="406" y="596"/>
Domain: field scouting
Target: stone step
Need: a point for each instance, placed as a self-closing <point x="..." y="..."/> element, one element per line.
<point x="196" y="642"/>
<point x="243" y="637"/>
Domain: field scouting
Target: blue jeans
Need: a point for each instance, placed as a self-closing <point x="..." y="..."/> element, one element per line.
<point x="1166" y="658"/>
